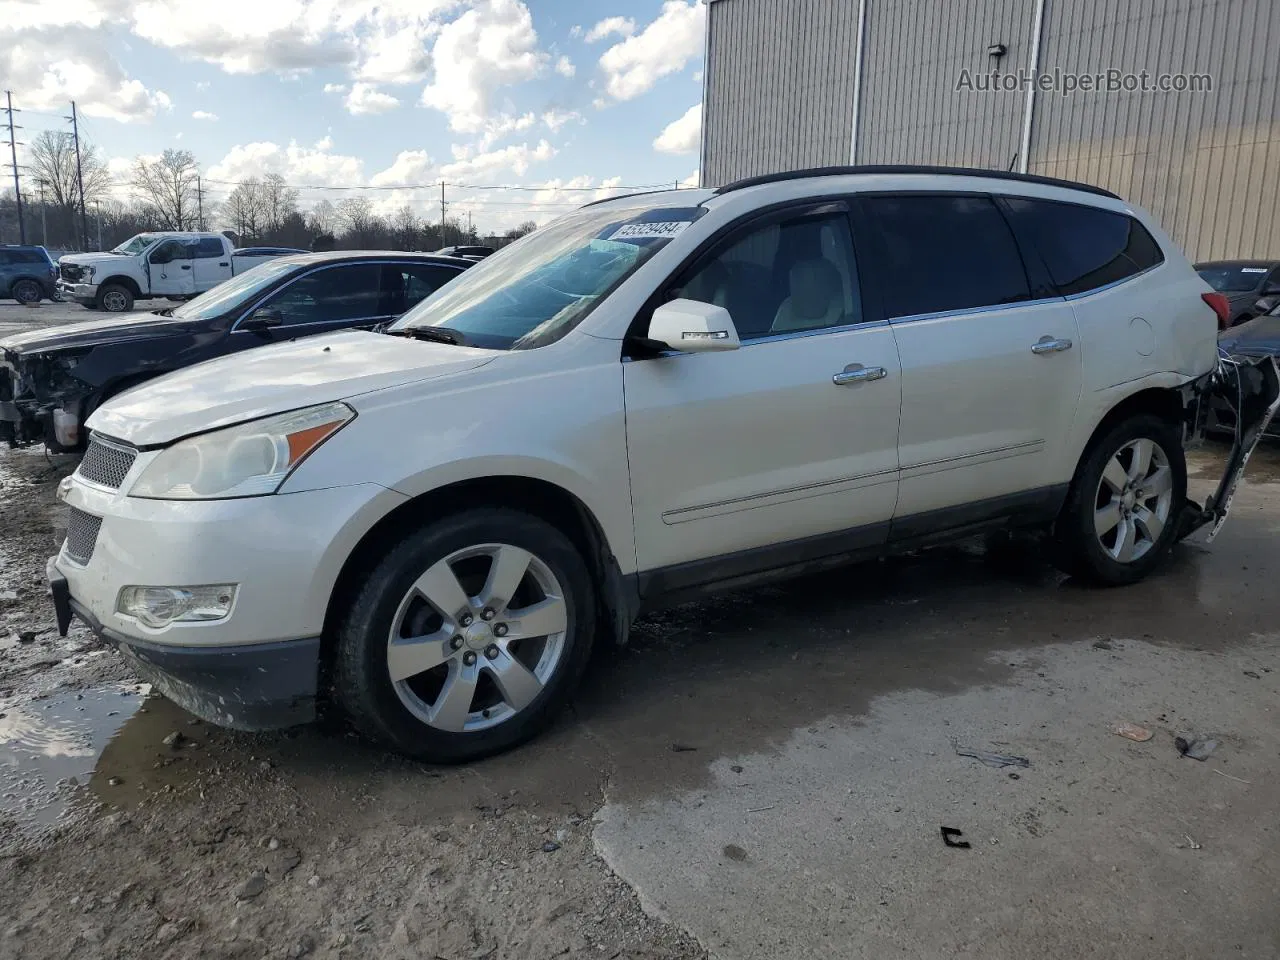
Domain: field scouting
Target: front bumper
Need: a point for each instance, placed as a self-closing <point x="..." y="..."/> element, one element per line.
<point x="80" y="292"/>
<point x="261" y="686"/>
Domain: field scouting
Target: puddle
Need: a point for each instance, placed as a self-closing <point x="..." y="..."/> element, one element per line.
<point x="45" y="744"/>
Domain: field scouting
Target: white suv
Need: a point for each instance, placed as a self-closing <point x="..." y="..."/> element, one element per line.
<point x="653" y="397"/>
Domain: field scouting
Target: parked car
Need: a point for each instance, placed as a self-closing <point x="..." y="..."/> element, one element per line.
<point x="651" y="398"/>
<point x="26" y="273"/>
<point x="1259" y="337"/>
<point x="1252" y="287"/>
<point x="177" y="266"/>
<point x="471" y="253"/>
<point x="52" y="379"/>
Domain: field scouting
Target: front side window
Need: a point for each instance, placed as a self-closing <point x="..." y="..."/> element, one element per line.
<point x="537" y="289"/>
<point x="1085" y="247"/>
<point x="785" y="277"/>
<point x="330" y="295"/>
<point x="944" y="253"/>
<point x="169" y="251"/>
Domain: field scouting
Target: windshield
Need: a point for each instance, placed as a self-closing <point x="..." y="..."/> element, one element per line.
<point x="239" y="289"/>
<point x="136" y="244"/>
<point x="537" y="289"/>
<point x="1240" y="279"/>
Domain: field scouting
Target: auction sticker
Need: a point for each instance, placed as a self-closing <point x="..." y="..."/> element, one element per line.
<point x="649" y="231"/>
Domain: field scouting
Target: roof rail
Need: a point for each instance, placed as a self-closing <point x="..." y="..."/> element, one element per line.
<point x="909" y="168"/>
<point x="625" y="196"/>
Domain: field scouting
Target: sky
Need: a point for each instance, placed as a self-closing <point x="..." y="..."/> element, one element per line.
<point x="569" y="99"/>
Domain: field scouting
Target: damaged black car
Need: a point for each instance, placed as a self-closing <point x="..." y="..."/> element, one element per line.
<point x="51" y="380"/>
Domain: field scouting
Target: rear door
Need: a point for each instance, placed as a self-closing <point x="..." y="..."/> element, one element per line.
<point x="211" y="263"/>
<point x="991" y="375"/>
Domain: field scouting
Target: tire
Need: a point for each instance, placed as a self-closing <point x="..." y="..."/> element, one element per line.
<point x="27" y="291"/>
<point x="115" y="298"/>
<point x="1113" y="530"/>
<point x="434" y="715"/>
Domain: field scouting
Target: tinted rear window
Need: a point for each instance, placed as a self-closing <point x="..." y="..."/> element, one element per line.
<point x="1083" y="247"/>
<point x="24" y="256"/>
<point x="944" y="253"/>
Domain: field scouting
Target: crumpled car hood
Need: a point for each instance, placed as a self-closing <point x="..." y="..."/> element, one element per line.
<point x="94" y="333"/>
<point x="1257" y="337"/>
<point x="275" y="379"/>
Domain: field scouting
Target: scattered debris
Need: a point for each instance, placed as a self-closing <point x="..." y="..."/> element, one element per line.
<point x="682" y="748"/>
<point x="997" y="760"/>
<point x="951" y="837"/>
<point x="27" y="636"/>
<point x="252" y="887"/>
<point x="1191" y="843"/>
<point x="762" y="809"/>
<point x="284" y="862"/>
<point x="173" y="740"/>
<point x="735" y="853"/>
<point x="1015" y="776"/>
<point x="114" y="781"/>
<point x="1197" y="748"/>
<point x="1102" y="645"/>
<point x="1131" y="731"/>
<point x="550" y="847"/>
<point x="1255" y="676"/>
<point x="1230" y="777"/>
<point x="8" y="594"/>
<point x="736" y="769"/>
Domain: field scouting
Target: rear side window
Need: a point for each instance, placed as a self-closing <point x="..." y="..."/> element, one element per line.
<point x="208" y="248"/>
<point x="1083" y="247"/>
<point x="944" y="253"/>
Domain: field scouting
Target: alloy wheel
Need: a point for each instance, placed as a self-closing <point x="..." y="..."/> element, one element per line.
<point x="1134" y="500"/>
<point x="477" y="637"/>
<point x="114" y="301"/>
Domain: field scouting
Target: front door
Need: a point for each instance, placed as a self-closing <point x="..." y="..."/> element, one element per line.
<point x="784" y="450"/>
<point x="991" y="360"/>
<point x="340" y="297"/>
<point x="171" y="272"/>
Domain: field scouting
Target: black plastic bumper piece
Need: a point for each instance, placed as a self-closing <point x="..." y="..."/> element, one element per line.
<point x="259" y="686"/>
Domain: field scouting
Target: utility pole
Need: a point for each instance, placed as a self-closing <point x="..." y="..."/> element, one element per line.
<point x="199" y="204"/>
<point x="97" y="207"/>
<point x="443" y="242"/>
<point x="13" y="152"/>
<point x="84" y="221"/>
<point x="469" y="227"/>
<point x="44" y="223"/>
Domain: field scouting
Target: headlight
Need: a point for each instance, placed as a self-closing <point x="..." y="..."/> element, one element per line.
<point x="160" y="606"/>
<point x="249" y="460"/>
<point x="88" y="272"/>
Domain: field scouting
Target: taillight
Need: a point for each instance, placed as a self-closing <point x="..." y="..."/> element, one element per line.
<point x="1220" y="306"/>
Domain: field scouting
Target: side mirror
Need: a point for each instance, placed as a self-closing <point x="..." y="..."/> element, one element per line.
<point x="691" y="326"/>
<point x="263" y="318"/>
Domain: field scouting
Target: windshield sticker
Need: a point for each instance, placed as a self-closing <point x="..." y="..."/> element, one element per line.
<point x="1253" y="269"/>
<point x="648" y="231"/>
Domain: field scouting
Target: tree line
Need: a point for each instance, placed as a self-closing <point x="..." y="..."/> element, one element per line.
<point x="168" y="194"/>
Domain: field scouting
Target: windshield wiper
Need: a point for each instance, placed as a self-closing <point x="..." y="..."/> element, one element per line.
<point x="434" y="334"/>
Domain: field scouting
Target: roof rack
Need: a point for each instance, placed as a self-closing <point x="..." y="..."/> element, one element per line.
<point x="909" y="168"/>
<point x="625" y="196"/>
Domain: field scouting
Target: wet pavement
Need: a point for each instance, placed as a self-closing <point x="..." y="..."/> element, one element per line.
<point x="765" y="772"/>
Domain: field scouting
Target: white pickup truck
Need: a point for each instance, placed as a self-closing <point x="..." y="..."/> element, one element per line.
<point x="173" y="265"/>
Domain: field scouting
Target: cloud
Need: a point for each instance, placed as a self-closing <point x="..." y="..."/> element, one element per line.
<point x="335" y="88"/>
<point x="517" y="158"/>
<point x="565" y="67"/>
<point x="504" y="125"/>
<point x="623" y="26"/>
<point x="554" y="119"/>
<point x="491" y="46"/>
<point x="664" y="47"/>
<point x="49" y="67"/>
<point x="692" y="180"/>
<point x="576" y="30"/>
<point x="297" y="164"/>
<point x="366" y="98"/>
<point x="683" y="135"/>
<point x="204" y="115"/>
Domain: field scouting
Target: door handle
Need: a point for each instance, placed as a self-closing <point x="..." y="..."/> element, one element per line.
<point x="223" y="263"/>
<point x="1050" y="345"/>
<point x="186" y="266"/>
<point x="856" y="373"/>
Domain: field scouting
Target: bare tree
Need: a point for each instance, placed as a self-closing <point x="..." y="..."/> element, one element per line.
<point x="517" y="232"/>
<point x="355" y="216"/>
<point x="406" y="228"/>
<point x="52" y="161"/>
<point x="245" y="209"/>
<point x="168" y="187"/>
<point x="322" y="217"/>
<point x="279" y="200"/>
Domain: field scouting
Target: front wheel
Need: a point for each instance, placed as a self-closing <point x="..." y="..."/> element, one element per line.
<point x="467" y="638"/>
<point x="27" y="291"/>
<point x="115" y="298"/>
<point x="1121" y="516"/>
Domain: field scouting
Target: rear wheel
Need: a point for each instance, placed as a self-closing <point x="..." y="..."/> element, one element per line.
<point x="27" y="291"/>
<point x="467" y="638"/>
<point x="1121" y="515"/>
<point x="115" y="298"/>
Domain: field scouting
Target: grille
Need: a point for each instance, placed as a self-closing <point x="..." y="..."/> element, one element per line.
<point x="82" y="535"/>
<point x="106" y="464"/>
<point x="70" y="272"/>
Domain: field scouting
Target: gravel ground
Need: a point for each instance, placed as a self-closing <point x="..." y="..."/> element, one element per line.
<point x="763" y="775"/>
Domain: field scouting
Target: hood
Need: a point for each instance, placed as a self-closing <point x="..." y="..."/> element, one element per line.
<point x="92" y="259"/>
<point x="96" y="333"/>
<point x="275" y="379"/>
<point x="1257" y="337"/>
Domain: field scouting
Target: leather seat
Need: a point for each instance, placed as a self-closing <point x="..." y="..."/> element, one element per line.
<point x="816" y="300"/>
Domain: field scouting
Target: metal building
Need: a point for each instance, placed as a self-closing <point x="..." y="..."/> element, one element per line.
<point x="799" y="83"/>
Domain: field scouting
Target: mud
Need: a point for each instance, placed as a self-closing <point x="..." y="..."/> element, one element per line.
<point x="313" y="842"/>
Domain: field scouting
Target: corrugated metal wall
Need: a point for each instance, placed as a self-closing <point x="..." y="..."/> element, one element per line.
<point x="916" y="52"/>
<point x="1206" y="164"/>
<point x="781" y="77"/>
<point x="780" y="84"/>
